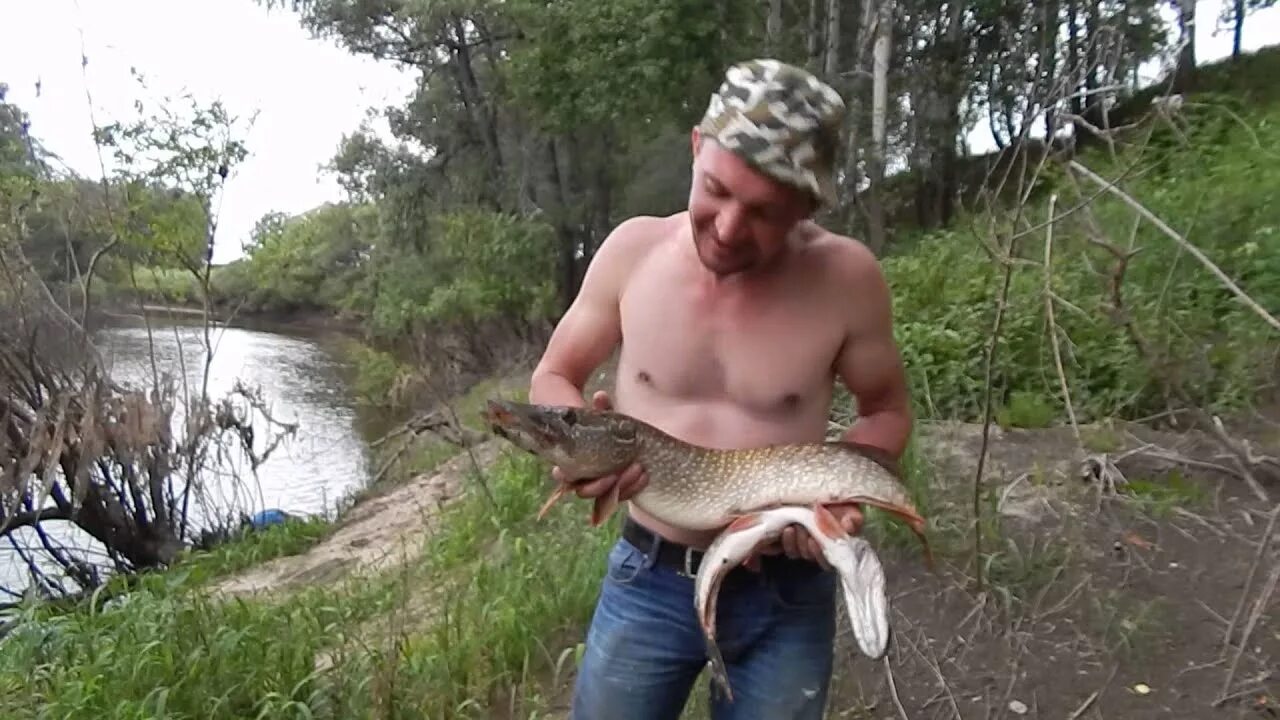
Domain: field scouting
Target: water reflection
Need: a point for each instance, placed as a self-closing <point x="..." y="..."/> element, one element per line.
<point x="301" y="380"/>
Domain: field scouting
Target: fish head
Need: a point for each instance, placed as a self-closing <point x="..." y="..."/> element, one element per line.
<point x="583" y="443"/>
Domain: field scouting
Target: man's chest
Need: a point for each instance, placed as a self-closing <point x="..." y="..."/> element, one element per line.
<point x="773" y="354"/>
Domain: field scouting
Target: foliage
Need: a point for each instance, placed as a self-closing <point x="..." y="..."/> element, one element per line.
<point x="309" y="261"/>
<point x="623" y="64"/>
<point x="1208" y="176"/>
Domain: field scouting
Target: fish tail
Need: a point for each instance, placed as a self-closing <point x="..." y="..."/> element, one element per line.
<point x="718" y="672"/>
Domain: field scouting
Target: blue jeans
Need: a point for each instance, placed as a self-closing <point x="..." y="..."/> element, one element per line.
<point x="644" y="649"/>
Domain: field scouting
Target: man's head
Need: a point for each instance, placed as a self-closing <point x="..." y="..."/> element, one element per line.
<point x="764" y="157"/>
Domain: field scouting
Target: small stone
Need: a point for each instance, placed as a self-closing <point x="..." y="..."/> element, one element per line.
<point x="1018" y="707"/>
<point x="1142" y="688"/>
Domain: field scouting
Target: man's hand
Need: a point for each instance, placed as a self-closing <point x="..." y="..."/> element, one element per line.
<point x="630" y="481"/>
<point x="798" y="544"/>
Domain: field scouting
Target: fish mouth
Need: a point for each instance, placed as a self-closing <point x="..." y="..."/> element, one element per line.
<point x="518" y="424"/>
<point x="498" y="415"/>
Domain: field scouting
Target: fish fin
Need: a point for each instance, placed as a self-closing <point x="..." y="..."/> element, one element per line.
<point x="714" y="575"/>
<point x="912" y="518"/>
<point x="918" y="529"/>
<point x="827" y="523"/>
<point x="742" y="522"/>
<point x="604" y="506"/>
<point x="556" y="494"/>
<point x="707" y="616"/>
<point x="718" y="672"/>
<point x="886" y="460"/>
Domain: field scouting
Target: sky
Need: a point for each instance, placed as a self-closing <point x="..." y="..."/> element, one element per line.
<point x="306" y="92"/>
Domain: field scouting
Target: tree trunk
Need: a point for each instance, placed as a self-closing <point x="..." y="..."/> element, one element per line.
<point x="1238" y="32"/>
<point x="1187" y="36"/>
<point x="940" y="115"/>
<point x="553" y="196"/>
<point x="813" y="36"/>
<point x="831" y="61"/>
<point x="482" y="118"/>
<point x="879" y="112"/>
<point x="1073" y="56"/>
<point x="1049" y="60"/>
<point x="773" y="27"/>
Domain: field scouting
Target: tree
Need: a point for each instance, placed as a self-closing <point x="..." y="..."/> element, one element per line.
<point x="1234" y="13"/>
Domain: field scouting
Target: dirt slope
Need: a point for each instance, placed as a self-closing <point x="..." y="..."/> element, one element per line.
<point x="375" y="535"/>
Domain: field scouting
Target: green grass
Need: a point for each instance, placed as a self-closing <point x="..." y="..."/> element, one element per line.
<point x="252" y="548"/>
<point x="1159" y="498"/>
<point x="478" y="615"/>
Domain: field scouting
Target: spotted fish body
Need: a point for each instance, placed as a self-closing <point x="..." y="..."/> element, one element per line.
<point x="702" y="489"/>
<point x="694" y="487"/>
<point x="749" y="495"/>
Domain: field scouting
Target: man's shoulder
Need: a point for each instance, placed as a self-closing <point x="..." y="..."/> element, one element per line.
<point x="646" y="229"/>
<point x="844" y="259"/>
<point x="624" y="249"/>
<point x="636" y="236"/>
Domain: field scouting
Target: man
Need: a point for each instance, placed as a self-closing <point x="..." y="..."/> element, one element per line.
<point x="734" y="318"/>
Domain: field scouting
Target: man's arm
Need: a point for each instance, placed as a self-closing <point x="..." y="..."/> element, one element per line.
<point x="870" y="364"/>
<point x="591" y="328"/>
<point x="584" y="338"/>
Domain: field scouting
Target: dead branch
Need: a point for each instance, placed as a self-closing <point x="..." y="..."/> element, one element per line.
<point x="1260" y="604"/>
<point x="1181" y="241"/>
<point x="1267" y="534"/>
<point x="1053" y="325"/>
<point x="893" y="689"/>
<point x="79" y="449"/>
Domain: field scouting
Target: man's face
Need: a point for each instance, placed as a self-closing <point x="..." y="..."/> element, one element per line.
<point x="740" y="217"/>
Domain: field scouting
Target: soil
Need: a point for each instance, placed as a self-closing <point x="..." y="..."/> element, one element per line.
<point x="1097" y="605"/>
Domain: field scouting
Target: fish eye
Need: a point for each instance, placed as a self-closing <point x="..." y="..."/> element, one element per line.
<point x="570" y="416"/>
<point x="625" y="431"/>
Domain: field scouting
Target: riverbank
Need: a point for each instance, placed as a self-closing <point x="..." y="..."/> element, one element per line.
<point x="444" y="594"/>
<point x="296" y="321"/>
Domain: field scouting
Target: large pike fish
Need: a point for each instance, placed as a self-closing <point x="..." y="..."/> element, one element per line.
<point x="749" y="495"/>
<point x="695" y="487"/>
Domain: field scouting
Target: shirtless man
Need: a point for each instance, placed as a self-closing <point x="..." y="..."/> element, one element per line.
<point x="734" y="318"/>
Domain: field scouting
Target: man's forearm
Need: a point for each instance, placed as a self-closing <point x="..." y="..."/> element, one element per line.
<point x="889" y="430"/>
<point x="551" y="388"/>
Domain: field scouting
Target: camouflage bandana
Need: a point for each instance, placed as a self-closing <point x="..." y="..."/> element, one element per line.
<point x="781" y="120"/>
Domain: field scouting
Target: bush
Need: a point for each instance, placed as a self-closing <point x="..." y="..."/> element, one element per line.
<point x="1211" y="179"/>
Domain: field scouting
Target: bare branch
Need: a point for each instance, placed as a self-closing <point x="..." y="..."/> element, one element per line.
<point x="1181" y="241"/>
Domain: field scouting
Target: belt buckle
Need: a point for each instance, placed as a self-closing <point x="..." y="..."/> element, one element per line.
<point x="687" y="569"/>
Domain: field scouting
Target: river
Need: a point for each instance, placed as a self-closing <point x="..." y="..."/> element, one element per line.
<point x="302" y="378"/>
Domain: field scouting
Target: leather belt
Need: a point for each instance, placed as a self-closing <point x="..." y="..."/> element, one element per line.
<point x="684" y="558"/>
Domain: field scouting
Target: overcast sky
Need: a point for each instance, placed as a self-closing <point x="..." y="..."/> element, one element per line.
<point x="307" y="92"/>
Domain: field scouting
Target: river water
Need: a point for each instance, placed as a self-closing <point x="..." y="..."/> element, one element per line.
<point x="301" y="377"/>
